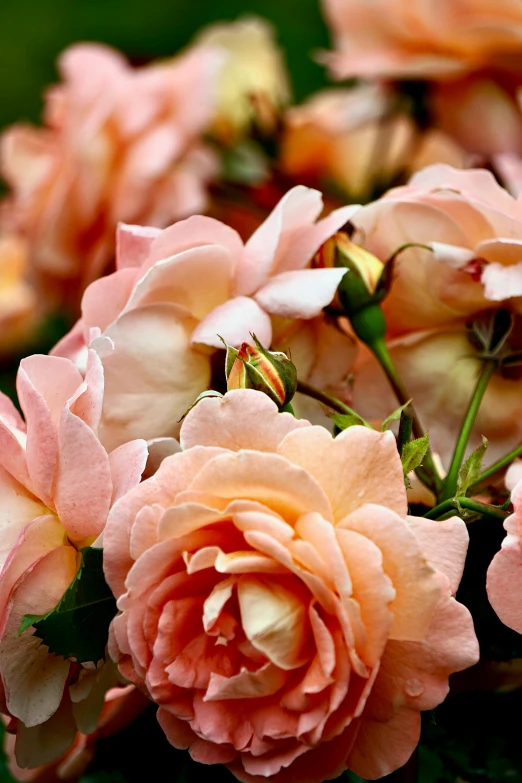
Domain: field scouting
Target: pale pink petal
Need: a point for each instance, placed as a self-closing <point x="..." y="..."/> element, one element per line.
<point x="247" y="684"/>
<point x="301" y="206"/>
<point x="34" y="681"/>
<point x="133" y="244"/>
<point x="194" y="232"/>
<point x="33" y="540"/>
<point x="504" y="583"/>
<point x="242" y="419"/>
<point x="513" y="475"/>
<point x="83" y="485"/>
<point x="502" y="282"/>
<point x="87" y="402"/>
<point x="299" y="294"/>
<point x="73" y="346"/>
<point x="13" y="455"/>
<point x="104" y="299"/>
<point x="235" y="321"/>
<point x="149" y="404"/>
<point x="445" y="545"/>
<point x="358" y="466"/>
<point x="127" y="463"/>
<point x="158" y="449"/>
<point x="306" y="243"/>
<point x="54" y="379"/>
<point x="197" y="280"/>
<point x="47" y="741"/>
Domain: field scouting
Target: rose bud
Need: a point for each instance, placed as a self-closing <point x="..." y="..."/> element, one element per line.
<point x="256" y="368"/>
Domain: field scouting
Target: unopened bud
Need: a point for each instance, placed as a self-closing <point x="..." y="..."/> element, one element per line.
<point x="256" y="368"/>
<point x="362" y="284"/>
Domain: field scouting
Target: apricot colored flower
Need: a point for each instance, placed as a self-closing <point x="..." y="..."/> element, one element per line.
<point x="157" y="321"/>
<point x="57" y="485"/>
<point x="472" y="228"/>
<point x="504" y="579"/>
<point x="120" y="707"/>
<point x="276" y="602"/>
<point x="252" y="86"/>
<point x="357" y="139"/>
<point x="119" y="143"/>
<point x="435" y="38"/>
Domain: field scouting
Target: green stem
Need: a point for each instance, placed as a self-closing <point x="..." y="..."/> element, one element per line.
<point x="327" y="399"/>
<point x="472" y="505"/>
<point x="450" y="482"/>
<point x="428" y="474"/>
<point x="496" y="466"/>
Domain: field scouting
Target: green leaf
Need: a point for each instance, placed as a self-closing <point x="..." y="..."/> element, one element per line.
<point x="345" y="420"/>
<point x="471" y="469"/>
<point x="79" y="626"/>
<point x="413" y="453"/>
<point x="395" y="416"/>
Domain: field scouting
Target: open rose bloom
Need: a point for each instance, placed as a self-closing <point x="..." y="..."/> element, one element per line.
<point x="57" y="485"/>
<point x="120" y="143"/>
<point x="289" y="624"/>
<point x="463" y="237"/>
<point x="176" y="292"/>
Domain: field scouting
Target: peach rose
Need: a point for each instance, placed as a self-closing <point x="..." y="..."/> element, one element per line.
<point x="358" y="140"/>
<point x="474" y="229"/>
<point x="277" y="603"/>
<point x="57" y="485"/>
<point x="120" y="707"/>
<point x="435" y="38"/>
<point x="504" y="578"/>
<point x="155" y="322"/>
<point x="119" y="144"/>
<point x="252" y="85"/>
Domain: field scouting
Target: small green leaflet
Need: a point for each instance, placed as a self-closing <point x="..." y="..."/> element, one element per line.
<point x="471" y="469"/>
<point x="413" y="453"/>
<point x="395" y="416"/>
<point x="79" y="626"/>
<point x="345" y="420"/>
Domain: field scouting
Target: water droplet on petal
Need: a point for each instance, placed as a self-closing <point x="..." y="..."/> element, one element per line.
<point x="414" y="688"/>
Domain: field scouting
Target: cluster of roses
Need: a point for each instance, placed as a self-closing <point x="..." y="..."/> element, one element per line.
<point x="257" y="578"/>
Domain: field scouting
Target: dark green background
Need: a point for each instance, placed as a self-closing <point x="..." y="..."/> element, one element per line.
<point x="34" y="32"/>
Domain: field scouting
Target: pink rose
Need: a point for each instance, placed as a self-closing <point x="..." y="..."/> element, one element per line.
<point x="120" y="707"/>
<point x="156" y="321"/>
<point x="57" y="485"/>
<point x="473" y="228"/>
<point x="441" y="38"/>
<point x="504" y="579"/>
<point x="277" y="603"/>
<point x="470" y="232"/>
<point x="120" y="143"/>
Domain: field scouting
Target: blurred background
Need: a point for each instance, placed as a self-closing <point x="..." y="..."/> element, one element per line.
<point x="34" y="32"/>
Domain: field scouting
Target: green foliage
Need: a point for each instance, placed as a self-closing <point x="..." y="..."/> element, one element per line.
<point x="5" y="776"/>
<point x="78" y="627"/>
<point x="413" y="453"/>
<point x="471" y="469"/>
<point x="345" y="420"/>
<point x="395" y="416"/>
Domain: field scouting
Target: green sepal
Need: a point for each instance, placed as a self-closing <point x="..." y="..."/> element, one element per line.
<point x="78" y="627"/>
